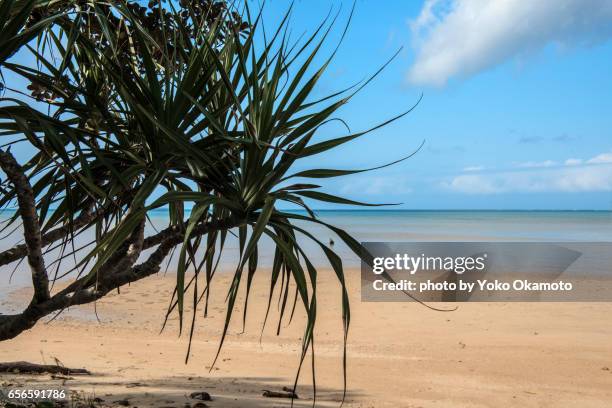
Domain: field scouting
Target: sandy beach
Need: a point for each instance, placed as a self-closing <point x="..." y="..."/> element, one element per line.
<point x="399" y="354"/>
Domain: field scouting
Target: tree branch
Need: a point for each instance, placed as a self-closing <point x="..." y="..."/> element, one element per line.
<point x="86" y="290"/>
<point x="31" y="225"/>
<point x="20" y="251"/>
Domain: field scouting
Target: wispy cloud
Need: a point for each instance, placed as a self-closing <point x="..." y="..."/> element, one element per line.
<point x="531" y="139"/>
<point x="573" y="162"/>
<point x="474" y="168"/>
<point x="463" y="37"/>
<point x="574" y="175"/>
<point x="564" y="138"/>
<point x="602" y="158"/>
<point x="531" y="164"/>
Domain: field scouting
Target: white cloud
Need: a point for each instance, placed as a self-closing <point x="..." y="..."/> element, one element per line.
<point x="602" y="158"/>
<point x="569" y="180"/>
<point x="573" y="162"/>
<point x="463" y="37"/>
<point x="473" y="184"/>
<point x="531" y="164"/>
<point x="576" y="175"/>
<point x="474" y="168"/>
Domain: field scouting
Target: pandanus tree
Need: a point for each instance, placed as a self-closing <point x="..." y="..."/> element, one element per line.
<point x="188" y="107"/>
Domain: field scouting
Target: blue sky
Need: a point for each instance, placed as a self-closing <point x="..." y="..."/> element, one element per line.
<point x="517" y="105"/>
<point x="517" y="102"/>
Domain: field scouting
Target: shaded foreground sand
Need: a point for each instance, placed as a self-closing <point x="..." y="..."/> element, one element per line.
<point x="400" y="354"/>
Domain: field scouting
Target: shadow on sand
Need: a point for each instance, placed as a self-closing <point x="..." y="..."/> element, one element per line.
<point x="230" y="392"/>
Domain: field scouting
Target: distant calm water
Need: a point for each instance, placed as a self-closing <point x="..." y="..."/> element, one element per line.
<point x="475" y="225"/>
<point x="399" y="225"/>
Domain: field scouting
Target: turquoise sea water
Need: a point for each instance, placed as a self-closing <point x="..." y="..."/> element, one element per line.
<point x="390" y="225"/>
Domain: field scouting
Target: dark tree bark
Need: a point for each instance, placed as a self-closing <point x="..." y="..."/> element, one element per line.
<point x="31" y="227"/>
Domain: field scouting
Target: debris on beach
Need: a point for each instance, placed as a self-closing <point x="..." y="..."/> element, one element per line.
<point x="23" y="367"/>
<point x="201" y="395"/>
<point x="286" y="393"/>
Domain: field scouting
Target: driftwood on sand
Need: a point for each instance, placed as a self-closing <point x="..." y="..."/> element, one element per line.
<point x="23" y="367"/>
<point x="286" y="393"/>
